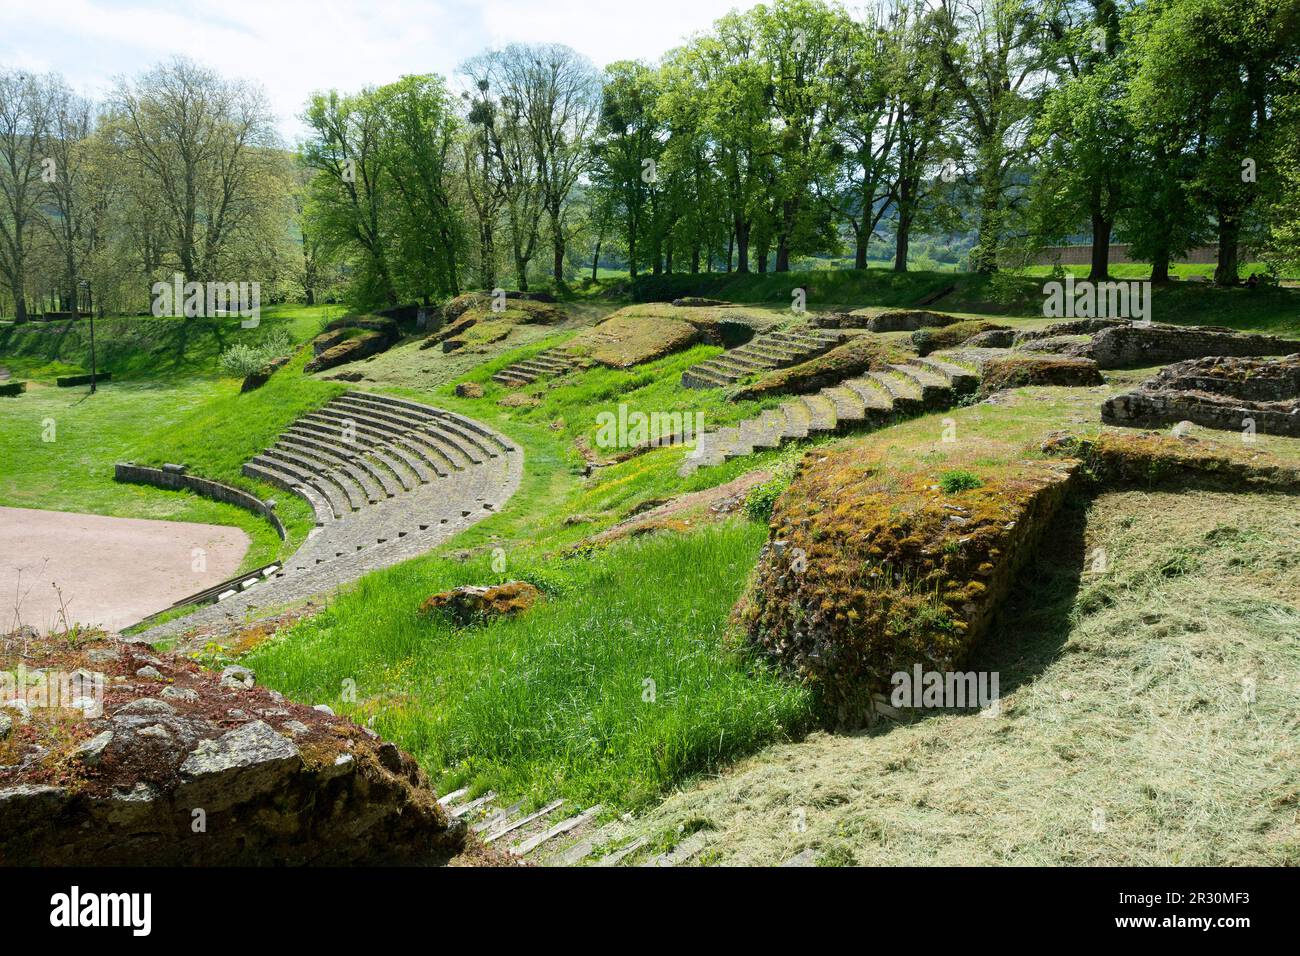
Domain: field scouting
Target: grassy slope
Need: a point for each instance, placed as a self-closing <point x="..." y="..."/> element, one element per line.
<point x="167" y="404"/>
<point x="1125" y="737"/>
<point x="1275" y="311"/>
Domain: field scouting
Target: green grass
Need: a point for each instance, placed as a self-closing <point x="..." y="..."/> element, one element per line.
<point x="613" y="688"/>
<point x="74" y="470"/>
<point x="167" y="403"/>
<point x="144" y="347"/>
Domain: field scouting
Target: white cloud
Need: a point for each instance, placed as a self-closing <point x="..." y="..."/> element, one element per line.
<point x="293" y="47"/>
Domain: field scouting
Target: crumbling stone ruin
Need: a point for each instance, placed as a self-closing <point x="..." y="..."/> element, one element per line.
<point x="1221" y="392"/>
<point x="1133" y="346"/>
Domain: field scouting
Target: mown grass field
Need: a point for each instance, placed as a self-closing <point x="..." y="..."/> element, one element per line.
<point x="1147" y="717"/>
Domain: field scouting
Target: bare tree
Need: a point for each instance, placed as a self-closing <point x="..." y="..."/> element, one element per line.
<point x="200" y="142"/>
<point x="24" y="116"/>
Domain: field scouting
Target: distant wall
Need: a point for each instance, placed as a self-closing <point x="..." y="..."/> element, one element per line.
<point x="179" y="481"/>
<point x="1082" y="255"/>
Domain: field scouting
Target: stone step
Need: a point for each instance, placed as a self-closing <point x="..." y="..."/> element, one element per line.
<point x="564" y="826"/>
<point x="849" y="407"/>
<point x="496" y="441"/>
<point x="821" y="413"/>
<point x="797" y="420"/>
<point x="699" y="376"/>
<point x="356" y="494"/>
<point x="962" y="380"/>
<point x="905" y="392"/>
<point x="336" y="457"/>
<point x="338" y="502"/>
<point x="935" y="390"/>
<point x="374" y="487"/>
<point x="875" y="398"/>
<point x="320" y="505"/>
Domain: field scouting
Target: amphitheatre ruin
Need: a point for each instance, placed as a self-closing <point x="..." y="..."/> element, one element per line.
<point x="913" y="471"/>
<point x="796" y="435"/>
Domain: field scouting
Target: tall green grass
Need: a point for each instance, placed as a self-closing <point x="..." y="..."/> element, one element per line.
<point x="614" y="688"/>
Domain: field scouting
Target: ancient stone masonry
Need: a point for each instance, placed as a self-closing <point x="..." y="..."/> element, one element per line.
<point x="167" y="764"/>
<point x="388" y="479"/>
<point x="868" y="401"/>
<point x="1134" y="346"/>
<point x="869" y="571"/>
<point x="1233" y="394"/>
<point x="765" y="352"/>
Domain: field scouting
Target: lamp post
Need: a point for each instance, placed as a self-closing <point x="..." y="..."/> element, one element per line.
<point x="85" y="284"/>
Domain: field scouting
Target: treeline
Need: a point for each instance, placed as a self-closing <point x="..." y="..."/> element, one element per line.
<point x="793" y="130"/>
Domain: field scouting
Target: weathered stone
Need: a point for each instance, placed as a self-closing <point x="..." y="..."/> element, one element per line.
<point x="1232" y="394"/>
<point x="180" y="693"/>
<point x="91" y="751"/>
<point x="145" y="707"/>
<point x="469" y="602"/>
<point x="236" y="767"/>
<point x="236" y="677"/>
<point x="149" y="672"/>
<point x="469" y="390"/>
<point x="263" y="375"/>
<point x="1128" y="346"/>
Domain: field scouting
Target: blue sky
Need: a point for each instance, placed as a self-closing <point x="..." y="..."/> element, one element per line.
<point x="292" y="47"/>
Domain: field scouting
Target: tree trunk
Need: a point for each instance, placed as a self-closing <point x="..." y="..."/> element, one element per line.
<point x="1229" y="232"/>
<point x="742" y="246"/>
<point x="557" y="237"/>
<point x="595" y="261"/>
<point x="695" y="259"/>
<point x="860" y="252"/>
<point x="311" y="295"/>
<point x="904" y="239"/>
<point x="1101" y="227"/>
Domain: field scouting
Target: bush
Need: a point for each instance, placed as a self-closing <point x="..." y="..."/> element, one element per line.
<point x="761" y="500"/>
<point x="959" y="480"/>
<point x="244" y="360"/>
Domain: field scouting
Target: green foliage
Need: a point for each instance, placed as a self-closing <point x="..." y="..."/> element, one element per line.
<point x="243" y="360"/>
<point x="959" y="480"/>
<point x="760" y="501"/>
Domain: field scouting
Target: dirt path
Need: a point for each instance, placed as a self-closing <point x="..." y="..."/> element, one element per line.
<point x="111" y="571"/>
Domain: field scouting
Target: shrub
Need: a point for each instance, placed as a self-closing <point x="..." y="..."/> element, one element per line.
<point x="761" y="500"/>
<point x="959" y="480"/>
<point x="244" y="360"/>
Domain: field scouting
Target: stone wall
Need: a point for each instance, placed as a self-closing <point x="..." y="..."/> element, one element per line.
<point x="176" y="480"/>
<point x="1132" y="346"/>
<point x="1232" y="394"/>
<point x="174" y="765"/>
<point x="868" y="572"/>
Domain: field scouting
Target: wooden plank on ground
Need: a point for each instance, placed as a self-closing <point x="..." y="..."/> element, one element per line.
<point x="498" y="834"/>
<point x="532" y="843"/>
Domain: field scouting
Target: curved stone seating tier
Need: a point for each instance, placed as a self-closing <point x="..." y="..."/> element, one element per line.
<point x="761" y="354"/>
<point x="387" y="478"/>
<point x="868" y="401"/>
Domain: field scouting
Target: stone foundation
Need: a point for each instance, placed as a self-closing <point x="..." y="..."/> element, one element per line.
<point x="1232" y="394"/>
<point x="1134" y="346"/>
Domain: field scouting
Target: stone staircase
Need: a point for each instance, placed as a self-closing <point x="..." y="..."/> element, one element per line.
<point x="553" y="361"/>
<point x="869" y="401"/>
<point x="559" y="835"/>
<point x="762" y="353"/>
<point x="387" y="478"/>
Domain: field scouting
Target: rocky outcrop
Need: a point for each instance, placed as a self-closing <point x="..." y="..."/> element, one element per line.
<point x="263" y="375"/>
<point x="869" y="571"/>
<point x="470" y="603"/>
<point x="1134" y="346"/>
<point x="162" y="763"/>
<point x="1234" y="394"/>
